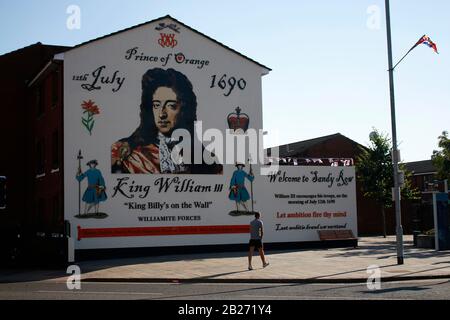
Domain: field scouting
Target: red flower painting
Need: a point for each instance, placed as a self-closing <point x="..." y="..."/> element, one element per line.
<point x="91" y="109"/>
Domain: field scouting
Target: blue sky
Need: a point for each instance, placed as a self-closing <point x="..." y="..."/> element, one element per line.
<point x="329" y="67"/>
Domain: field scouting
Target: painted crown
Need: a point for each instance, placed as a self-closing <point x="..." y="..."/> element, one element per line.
<point x="237" y="120"/>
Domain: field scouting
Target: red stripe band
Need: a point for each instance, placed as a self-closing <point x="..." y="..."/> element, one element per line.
<point x="159" y="231"/>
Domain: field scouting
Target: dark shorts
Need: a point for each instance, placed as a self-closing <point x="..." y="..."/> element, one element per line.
<point x="255" y="243"/>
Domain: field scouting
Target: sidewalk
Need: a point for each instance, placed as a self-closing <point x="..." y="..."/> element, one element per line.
<point x="319" y="265"/>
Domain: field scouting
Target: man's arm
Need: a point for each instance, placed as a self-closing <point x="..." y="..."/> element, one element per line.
<point x="262" y="230"/>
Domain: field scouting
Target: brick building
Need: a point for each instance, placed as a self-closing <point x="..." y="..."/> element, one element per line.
<point x="32" y="136"/>
<point x="424" y="176"/>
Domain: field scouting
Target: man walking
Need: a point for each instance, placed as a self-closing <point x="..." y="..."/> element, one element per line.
<point x="256" y="235"/>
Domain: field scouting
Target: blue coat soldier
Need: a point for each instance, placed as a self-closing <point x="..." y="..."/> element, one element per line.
<point x="238" y="192"/>
<point x="95" y="191"/>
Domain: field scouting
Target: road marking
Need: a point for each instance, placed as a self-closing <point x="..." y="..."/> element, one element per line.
<point x="97" y="283"/>
<point x="275" y="284"/>
<point x="237" y="284"/>
<point x="100" y="292"/>
<point x="316" y="297"/>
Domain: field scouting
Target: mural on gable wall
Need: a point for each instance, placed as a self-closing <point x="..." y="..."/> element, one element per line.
<point x="156" y="79"/>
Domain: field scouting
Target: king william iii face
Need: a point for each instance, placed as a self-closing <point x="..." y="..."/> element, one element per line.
<point x="166" y="109"/>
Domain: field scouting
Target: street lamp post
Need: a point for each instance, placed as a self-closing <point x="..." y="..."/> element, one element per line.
<point x="399" y="228"/>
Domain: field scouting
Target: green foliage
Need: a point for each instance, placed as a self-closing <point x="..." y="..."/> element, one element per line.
<point x="375" y="170"/>
<point x="441" y="158"/>
<point x="408" y="191"/>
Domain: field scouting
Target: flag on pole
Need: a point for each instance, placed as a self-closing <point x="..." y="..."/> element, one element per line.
<point x="427" y="41"/>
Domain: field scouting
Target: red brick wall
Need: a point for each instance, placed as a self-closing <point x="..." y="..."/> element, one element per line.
<point x="17" y="130"/>
<point x="48" y="187"/>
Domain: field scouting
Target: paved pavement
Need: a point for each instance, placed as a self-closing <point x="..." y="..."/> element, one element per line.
<point x="318" y="265"/>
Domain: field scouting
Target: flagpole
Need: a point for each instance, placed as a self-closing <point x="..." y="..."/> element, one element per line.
<point x="399" y="228"/>
<point x="417" y="43"/>
<point x="393" y="68"/>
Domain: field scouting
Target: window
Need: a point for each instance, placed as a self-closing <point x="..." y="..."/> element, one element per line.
<point x="2" y="192"/>
<point x="40" y="157"/>
<point x="55" y="150"/>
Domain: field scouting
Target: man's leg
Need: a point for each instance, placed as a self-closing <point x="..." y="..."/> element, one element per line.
<point x="250" y="255"/>
<point x="263" y="257"/>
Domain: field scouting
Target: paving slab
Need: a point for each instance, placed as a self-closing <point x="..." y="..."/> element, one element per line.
<point x="318" y="265"/>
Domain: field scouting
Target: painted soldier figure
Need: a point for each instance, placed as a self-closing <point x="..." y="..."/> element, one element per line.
<point x="95" y="191"/>
<point x="238" y="191"/>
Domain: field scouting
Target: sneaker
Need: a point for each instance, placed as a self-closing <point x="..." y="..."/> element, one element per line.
<point x="265" y="264"/>
<point x="250" y="268"/>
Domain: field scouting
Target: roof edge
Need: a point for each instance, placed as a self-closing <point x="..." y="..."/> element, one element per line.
<point x="181" y="23"/>
<point x="44" y="71"/>
<point x="327" y="137"/>
<point x="220" y="44"/>
<point x="37" y="44"/>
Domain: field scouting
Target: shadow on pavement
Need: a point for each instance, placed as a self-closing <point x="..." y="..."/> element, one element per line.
<point x="422" y="271"/>
<point x="381" y="291"/>
<point x="442" y="262"/>
<point x="13" y="275"/>
<point x="387" y="249"/>
<point x="96" y="265"/>
<point x="26" y="275"/>
<point x="219" y="275"/>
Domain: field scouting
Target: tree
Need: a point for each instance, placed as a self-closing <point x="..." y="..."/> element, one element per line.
<point x="441" y="158"/>
<point x="375" y="170"/>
